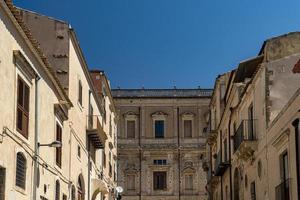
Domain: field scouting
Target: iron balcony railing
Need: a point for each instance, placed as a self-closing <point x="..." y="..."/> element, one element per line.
<point x="245" y="132"/>
<point x="220" y="165"/>
<point x="283" y="190"/>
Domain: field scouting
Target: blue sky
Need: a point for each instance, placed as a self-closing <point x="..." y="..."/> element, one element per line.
<point x="166" y="43"/>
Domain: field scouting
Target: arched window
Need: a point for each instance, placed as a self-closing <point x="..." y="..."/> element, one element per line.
<point x="80" y="188"/>
<point x="73" y="193"/>
<point x="57" y="190"/>
<point x="21" y="170"/>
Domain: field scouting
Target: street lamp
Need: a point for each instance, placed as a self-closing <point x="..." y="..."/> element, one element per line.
<point x="55" y="144"/>
<point x="119" y="190"/>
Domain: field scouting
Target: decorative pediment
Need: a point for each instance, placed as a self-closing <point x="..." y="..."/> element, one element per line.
<point x="130" y="114"/>
<point x="131" y="169"/>
<point x="187" y="115"/>
<point x="159" y="114"/>
<point x="189" y="170"/>
<point x="281" y="140"/>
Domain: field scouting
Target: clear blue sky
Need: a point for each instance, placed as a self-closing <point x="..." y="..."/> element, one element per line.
<point x="162" y="43"/>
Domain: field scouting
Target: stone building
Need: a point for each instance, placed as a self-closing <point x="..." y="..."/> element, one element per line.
<point x="161" y="143"/>
<point x="253" y="142"/>
<point x="48" y="94"/>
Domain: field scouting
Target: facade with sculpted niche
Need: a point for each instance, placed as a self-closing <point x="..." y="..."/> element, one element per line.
<point x="161" y="143"/>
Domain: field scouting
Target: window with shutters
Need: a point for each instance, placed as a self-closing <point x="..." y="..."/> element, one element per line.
<point x="159" y="126"/>
<point x="80" y="92"/>
<point x="189" y="182"/>
<point x="187" y="128"/>
<point x="58" y="149"/>
<point x="57" y="190"/>
<point x="130" y="128"/>
<point x="159" y="180"/>
<point x="21" y="170"/>
<point x="22" y="107"/>
<point x="253" y="191"/>
<point x="130" y="182"/>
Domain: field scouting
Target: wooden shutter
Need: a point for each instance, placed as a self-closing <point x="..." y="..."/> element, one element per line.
<point x="59" y="149"/>
<point x="22" y="107"/>
<point x="57" y="190"/>
<point x="21" y="171"/>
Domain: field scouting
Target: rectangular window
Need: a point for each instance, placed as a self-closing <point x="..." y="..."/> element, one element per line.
<point x="58" y="149"/>
<point x="159" y="180"/>
<point x="159" y="128"/>
<point x="284" y="166"/>
<point x="225" y="151"/>
<point x="80" y="92"/>
<point x="189" y="182"/>
<point x="110" y="169"/>
<point x="78" y="151"/>
<point x="130" y="129"/>
<point x="104" y="159"/>
<point x="130" y="182"/>
<point x="22" y="107"/>
<point x="159" y="162"/>
<point x="253" y="191"/>
<point x="187" y="124"/>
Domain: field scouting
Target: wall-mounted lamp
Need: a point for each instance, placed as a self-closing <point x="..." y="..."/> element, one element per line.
<point x="55" y="144"/>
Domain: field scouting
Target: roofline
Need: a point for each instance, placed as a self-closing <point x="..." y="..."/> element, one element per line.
<point x="33" y="45"/>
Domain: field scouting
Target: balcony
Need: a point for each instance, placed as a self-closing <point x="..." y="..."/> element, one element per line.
<point x="212" y="134"/>
<point x="95" y="131"/>
<point x="245" y="139"/>
<point x="220" y="165"/>
<point x="283" y="190"/>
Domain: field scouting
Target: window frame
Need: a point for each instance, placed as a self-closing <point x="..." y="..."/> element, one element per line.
<point x="25" y="112"/>
<point x="186" y="182"/>
<point x="21" y="174"/>
<point x="80" y="89"/>
<point x="156" y="136"/>
<point x="127" y="182"/>
<point x="58" y="150"/>
<point x="159" y="186"/>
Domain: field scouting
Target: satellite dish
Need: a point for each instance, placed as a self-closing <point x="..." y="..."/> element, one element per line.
<point x="119" y="189"/>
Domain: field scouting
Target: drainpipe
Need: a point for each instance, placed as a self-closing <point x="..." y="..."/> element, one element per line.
<point x="229" y="146"/>
<point x="179" y="161"/>
<point x="89" y="149"/>
<point x="36" y="137"/>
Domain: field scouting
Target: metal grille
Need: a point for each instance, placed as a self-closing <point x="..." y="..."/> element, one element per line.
<point x="21" y="171"/>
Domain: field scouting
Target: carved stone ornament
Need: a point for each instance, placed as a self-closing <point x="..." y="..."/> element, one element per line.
<point x="159" y="114"/>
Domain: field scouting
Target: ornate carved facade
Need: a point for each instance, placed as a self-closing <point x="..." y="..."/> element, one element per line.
<point x="161" y="143"/>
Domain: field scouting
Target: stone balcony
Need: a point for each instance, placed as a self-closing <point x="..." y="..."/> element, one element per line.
<point x="245" y="139"/>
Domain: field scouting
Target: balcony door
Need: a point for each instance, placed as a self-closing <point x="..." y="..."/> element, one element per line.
<point x="250" y="122"/>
